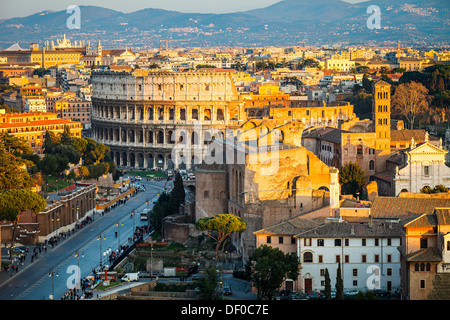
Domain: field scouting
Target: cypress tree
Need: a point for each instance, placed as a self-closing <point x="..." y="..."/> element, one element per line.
<point x="327" y="285"/>
<point x="339" y="284"/>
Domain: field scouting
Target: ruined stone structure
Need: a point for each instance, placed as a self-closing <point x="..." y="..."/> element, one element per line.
<point x="264" y="175"/>
<point x="141" y="115"/>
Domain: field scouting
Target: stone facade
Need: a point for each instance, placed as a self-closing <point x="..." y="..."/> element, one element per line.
<point x="422" y="165"/>
<point x="142" y="115"/>
<point x="263" y="175"/>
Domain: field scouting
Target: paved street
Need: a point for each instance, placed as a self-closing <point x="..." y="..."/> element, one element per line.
<point x="32" y="281"/>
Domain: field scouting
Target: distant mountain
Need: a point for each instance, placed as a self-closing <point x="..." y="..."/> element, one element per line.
<point x="288" y="22"/>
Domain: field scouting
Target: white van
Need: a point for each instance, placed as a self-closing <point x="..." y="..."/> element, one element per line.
<point x="131" y="277"/>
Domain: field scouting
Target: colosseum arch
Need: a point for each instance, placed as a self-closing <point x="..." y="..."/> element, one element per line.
<point x="170" y="137"/>
<point x="150" y="113"/>
<point x="131" y="136"/>
<point x="117" y="157"/>
<point x="194" y="138"/>
<point x="194" y="114"/>
<point x="220" y="115"/>
<point x="150" y="161"/>
<point x="140" y="159"/>
<point x="160" y="137"/>
<point x="124" y="159"/>
<point x="150" y="135"/>
<point x="132" y="159"/>
<point x="160" y="112"/>
<point x="182" y="114"/>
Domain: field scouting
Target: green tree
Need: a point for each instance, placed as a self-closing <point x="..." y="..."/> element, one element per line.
<point x="67" y="151"/>
<point x="15" y="201"/>
<point x="65" y="138"/>
<point x="208" y="283"/>
<point x="15" y="158"/>
<point x="49" y="165"/>
<point x="50" y="140"/>
<point x="178" y="192"/>
<point x="220" y="227"/>
<point x="339" y="284"/>
<point x="327" y="285"/>
<point x="95" y="152"/>
<point x="352" y="179"/>
<point x="270" y="266"/>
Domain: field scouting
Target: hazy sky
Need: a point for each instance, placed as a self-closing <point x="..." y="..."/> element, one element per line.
<point x="22" y="8"/>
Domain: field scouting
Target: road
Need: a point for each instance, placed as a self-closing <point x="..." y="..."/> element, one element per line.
<point x="34" y="281"/>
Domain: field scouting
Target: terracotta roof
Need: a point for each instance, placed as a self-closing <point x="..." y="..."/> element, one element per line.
<point x="290" y="227"/>
<point x="406" y="135"/>
<point x="37" y="123"/>
<point x="425" y="220"/>
<point x="429" y="254"/>
<point x="395" y="207"/>
<point x="353" y="230"/>
<point x="443" y="216"/>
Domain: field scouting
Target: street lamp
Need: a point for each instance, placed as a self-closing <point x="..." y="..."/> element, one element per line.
<point x="101" y="237"/>
<point x="77" y="255"/>
<point x="51" y="274"/>
<point x="118" y="224"/>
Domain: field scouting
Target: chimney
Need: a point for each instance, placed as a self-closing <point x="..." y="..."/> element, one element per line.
<point x="370" y="221"/>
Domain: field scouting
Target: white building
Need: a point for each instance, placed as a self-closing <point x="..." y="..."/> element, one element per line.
<point x="368" y="254"/>
<point x="423" y="165"/>
<point x="35" y="105"/>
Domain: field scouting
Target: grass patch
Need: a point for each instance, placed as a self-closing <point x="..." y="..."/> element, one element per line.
<point x="55" y="184"/>
<point x="148" y="174"/>
<point x="113" y="284"/>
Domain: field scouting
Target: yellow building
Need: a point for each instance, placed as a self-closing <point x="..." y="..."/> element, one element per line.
<point x="32" y="127"/>
<point x="339" y="64"/>
<point x="45" y="58"/>
<point x="411" y="64"/>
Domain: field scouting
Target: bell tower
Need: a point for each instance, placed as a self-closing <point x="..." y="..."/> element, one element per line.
<point x="381" y="111"/>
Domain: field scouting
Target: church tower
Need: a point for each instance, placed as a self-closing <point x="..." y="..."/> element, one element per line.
<point x="381" y="115"/>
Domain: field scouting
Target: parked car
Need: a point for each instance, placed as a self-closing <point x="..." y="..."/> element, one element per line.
<point x="285" y="295"/>
<point x="227" y="291"/>
<point x="294" y="295"/>
<point x="314" y="295"/>
<point x="351" y="294"/>
<point x="19" y="249"/>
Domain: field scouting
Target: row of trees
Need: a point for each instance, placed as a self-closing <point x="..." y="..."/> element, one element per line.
<point x="16" y="195"/>
<point x="168" y="203"/>
<point x="62" y="150"/>
<point x="418" y="97"/>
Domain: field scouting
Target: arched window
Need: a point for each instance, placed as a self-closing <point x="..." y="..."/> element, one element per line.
<point x="307" y="257"/>
<point x="416" y="267"/>
<point x="428" y="267"/>
<point x="371" y="165"/>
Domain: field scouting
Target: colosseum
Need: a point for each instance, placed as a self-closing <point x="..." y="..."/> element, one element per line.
<point x="141" y="115"/>
<point x="144" y="116"/>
